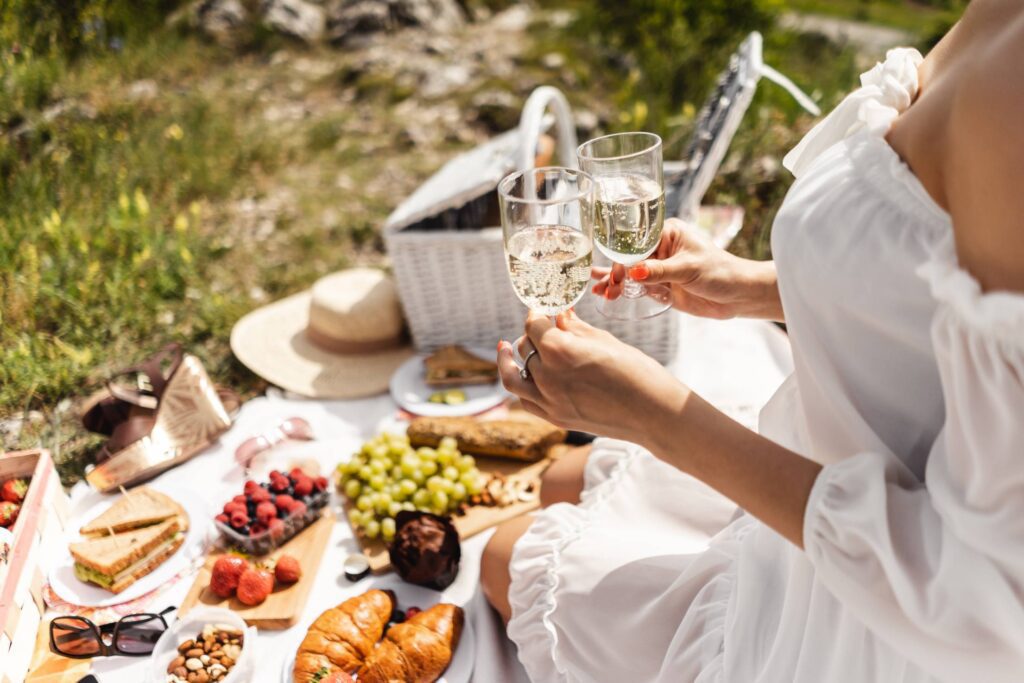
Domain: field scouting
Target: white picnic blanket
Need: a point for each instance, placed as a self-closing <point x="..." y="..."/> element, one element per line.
<point x="736" y="365"/>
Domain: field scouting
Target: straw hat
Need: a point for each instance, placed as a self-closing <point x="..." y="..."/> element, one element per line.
<point x="343" y="338"/>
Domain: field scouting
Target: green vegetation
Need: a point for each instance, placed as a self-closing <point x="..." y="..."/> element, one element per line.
<point x="919" y="18"/>
<point x="155" y="186"/>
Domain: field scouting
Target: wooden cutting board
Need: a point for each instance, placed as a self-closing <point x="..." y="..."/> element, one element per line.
<point x="478" y="518"/>
<point x="283" y="607"/>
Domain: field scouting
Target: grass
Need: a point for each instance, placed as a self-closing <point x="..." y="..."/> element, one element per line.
<point x="918" y="18"/>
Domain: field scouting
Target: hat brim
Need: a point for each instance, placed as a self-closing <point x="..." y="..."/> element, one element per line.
<point x="271" y="341"/>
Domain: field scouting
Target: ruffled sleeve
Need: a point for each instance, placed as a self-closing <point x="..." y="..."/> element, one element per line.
<point x="937" y="570"/>
<point x="886" y="90"/>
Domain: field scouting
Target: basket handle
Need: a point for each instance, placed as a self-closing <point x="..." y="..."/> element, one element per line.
<point x="532" y="120"/>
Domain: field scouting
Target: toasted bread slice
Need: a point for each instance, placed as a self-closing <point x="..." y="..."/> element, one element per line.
<point x="451" y="365"/>
<point x="141" y="507"/>
<point x="111" y="554"/>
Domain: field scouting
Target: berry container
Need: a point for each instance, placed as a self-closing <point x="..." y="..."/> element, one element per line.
<point x="265" y="542"/>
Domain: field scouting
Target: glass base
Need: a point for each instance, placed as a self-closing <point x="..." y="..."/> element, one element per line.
<point x="656" y="300"/>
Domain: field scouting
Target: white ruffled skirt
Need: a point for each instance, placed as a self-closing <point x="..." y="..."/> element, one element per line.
<point x="627" y="585"/>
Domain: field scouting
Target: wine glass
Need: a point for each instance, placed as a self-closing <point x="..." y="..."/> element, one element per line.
<point x="629" y="213"/>
<point x="547" y="223"/>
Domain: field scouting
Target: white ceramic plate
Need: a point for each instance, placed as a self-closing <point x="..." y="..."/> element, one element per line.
<point x="64" y="582"/>
<point x="459" y="669"/>
<point x="410" y="391"/>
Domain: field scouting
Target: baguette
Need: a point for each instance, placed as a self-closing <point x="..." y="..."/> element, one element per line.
<point x="515" y="439"/>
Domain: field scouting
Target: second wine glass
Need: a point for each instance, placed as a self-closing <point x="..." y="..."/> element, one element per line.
<point x="629" y="213"/>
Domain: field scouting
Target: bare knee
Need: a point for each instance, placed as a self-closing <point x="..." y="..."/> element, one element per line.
<point x="494" y="565"/>
<point x="562" y="481"/>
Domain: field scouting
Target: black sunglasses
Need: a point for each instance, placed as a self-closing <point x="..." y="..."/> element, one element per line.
<point x="134" y="635"/>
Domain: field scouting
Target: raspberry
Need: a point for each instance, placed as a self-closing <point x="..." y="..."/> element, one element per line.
<point x="276" y="528"/>
<point x="260" y="496"/>
<point x="298" y="508"/>
<point x="321" y="483"/>
<point x="265" y="512"/>
<point x="296" y="473"/>
<point x="239" y="519"/>
<point x="284" y="502"/>
<point x="287" y="569"/>
<point x="250" y="486"/>
<point x="411" y="612"/>
<point x="278" y="485"/>
<point x="303" y="487"/>
<point x="223" y="519"/>
<point x="240" y="498"/>
<point x="254" y="585"/>
<point x="257" y="529"/>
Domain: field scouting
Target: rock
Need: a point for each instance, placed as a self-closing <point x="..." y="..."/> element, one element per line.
<point x="553" y="60"/>
<point x="586" y="121"/>
<point x="498" y="110"/>
<point x="297" y="18"/>
<point x="142" y="90"/>
<point x="445" y="80"/>
<point x="349" y="21"/>
<point x="220" y="19"/>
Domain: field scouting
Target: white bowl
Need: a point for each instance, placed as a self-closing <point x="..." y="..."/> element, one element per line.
<point x="188" y="627"/>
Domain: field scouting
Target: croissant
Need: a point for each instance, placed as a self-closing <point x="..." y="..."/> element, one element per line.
<point x="417" y="650"/>
<point x="344" y="636"/>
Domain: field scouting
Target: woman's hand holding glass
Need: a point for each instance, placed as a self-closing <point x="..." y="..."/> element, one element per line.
<point x="705" y="280"/>
<point x="584" y="378"/>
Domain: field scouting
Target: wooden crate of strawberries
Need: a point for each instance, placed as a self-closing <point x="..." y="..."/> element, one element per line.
<point x="42" y="514"/>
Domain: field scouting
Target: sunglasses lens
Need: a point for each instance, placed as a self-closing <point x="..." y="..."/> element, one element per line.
<point x="137" y="635"/>
<point x="74" y="636"/>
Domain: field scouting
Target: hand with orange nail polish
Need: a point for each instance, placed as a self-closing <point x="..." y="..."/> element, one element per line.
<point x="705" y="280"/>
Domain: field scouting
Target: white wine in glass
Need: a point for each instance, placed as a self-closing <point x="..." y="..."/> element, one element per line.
<point x="546" y="218"/>
<point x="549" y="266"/>
<point x="629" y="214"/>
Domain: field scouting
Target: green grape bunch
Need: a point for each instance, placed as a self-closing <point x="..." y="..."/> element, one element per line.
<point x="388" y="475"/>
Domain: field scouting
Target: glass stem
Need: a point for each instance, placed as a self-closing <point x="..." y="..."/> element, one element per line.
<point x="631" y="289"/>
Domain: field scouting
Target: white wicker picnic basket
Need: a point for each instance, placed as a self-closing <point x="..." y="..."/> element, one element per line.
<point x="445" y="244"/>
<point x="445" y="241"/>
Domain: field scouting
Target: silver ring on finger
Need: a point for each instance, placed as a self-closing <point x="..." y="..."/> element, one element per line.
<point x="524" y="372"/>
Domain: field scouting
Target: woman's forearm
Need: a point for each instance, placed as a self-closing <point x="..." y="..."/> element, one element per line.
<point x="768" y="481"/>
<point x="762" y="282"/>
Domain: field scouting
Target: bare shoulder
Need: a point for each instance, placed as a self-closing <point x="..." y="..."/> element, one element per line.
<point x="985" y="178"/>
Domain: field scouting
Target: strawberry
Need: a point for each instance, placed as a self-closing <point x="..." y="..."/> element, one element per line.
<point x="320" y="483"/>
<point x="287" y="570"/>
<point x="265" y="512"/>
<point x="284" y="502"/>
<point x="226" y="572"/>
<point x="254" y="585"/>
<point x="303" y="487"/>
<point x="8" y="513"/>
<point x="14" y="490"/>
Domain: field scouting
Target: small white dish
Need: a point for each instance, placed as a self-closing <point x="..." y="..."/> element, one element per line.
<point x="68" y="587"/>
<point x="459" y="669"/>
<point x="409" y="389"/>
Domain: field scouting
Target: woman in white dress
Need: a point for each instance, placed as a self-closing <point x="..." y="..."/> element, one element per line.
<point x="877" y="529"/>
